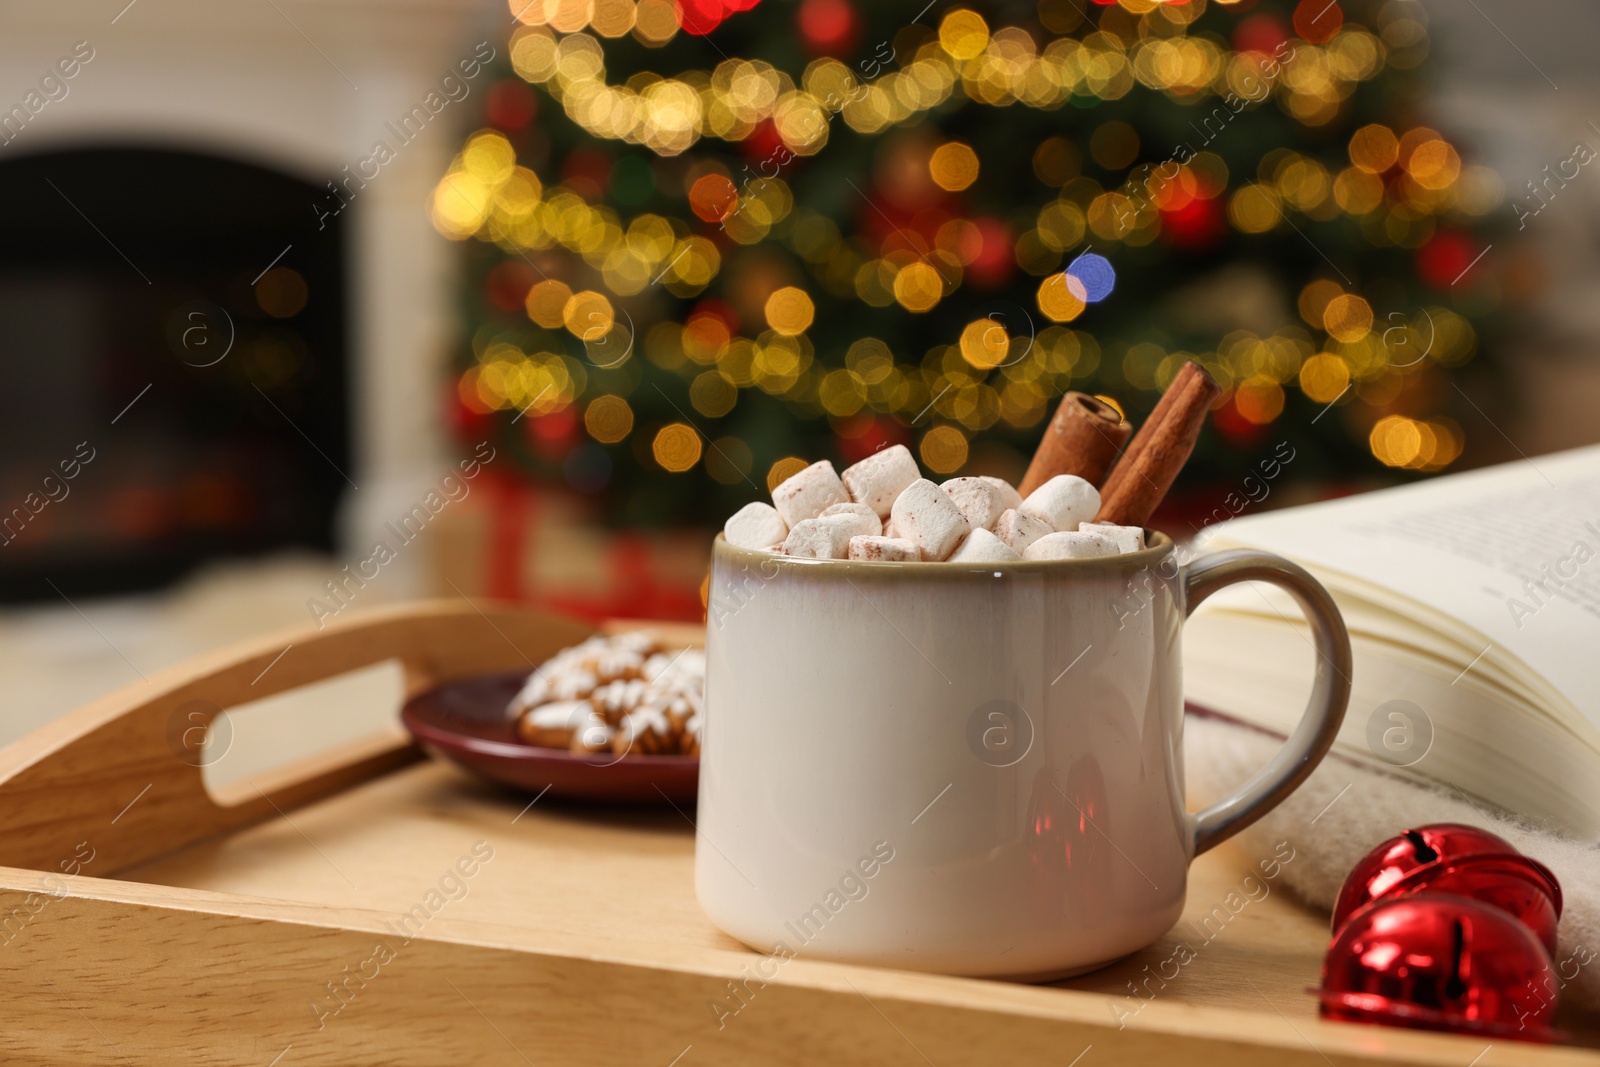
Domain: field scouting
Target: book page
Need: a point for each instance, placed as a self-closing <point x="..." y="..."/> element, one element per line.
<point x="1512" y="551"/>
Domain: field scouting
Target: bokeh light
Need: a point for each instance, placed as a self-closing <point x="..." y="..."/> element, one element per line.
<point x="943" y="449"/>
<point x="1095" y="273"/>
<point x="676" y="447"/>
<point x="1000" y="160"/>
<point x="783" y="470"/>
<point x="1347" y="318"/>
<point x="985" y="343"/>
<point x="789" y="310"/>
<point x="1062" y="297"/>
<point x="963" y="33"/>
<point x="608" y="419"/>
<point x="1324" y="377"/>
<point x="547" y="303"/>
<point x="1374" y="148"/>
<point x="954" y="166"/>
<point x="917" y="286"/>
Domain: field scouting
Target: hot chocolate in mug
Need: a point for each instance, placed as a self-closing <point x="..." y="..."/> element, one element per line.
<point x="972" y="769"/>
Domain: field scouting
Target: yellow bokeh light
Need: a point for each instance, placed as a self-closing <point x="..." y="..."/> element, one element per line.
<point x="547" y="304"/>
<point x="1434" y="165"/>
<point x="943" y="449"/>
<point x="917" y="286"/>
<point x="533" y="54"/>
<point x="985" y="343"/>
<point x="963" y="34"/>
<point x="1254" y="209"/>
<point x="841" y="393"/>
<point x="1415" y="444"/>
<point x="801" y="122"/>
<point x="611" y="18"/>
<point x="655" y="22"/>
<point x="676" y="447"/>
<point x="1315" y="298"/>
<point x="460" y="205"/>
<point x="1060" y="224"/>
<point x="608" y="419"/>
<point x="1324" y="377"/>
<point x="1374" y="148"/>
<point x="790" y="311"/>
<point x="1357" y="191"/>
<point x="489" y="157"/>
<point x="1259" y="399"/>
<point x="954" y="166"/>
<point x="529" y="12"/>
<point x="1396" y="441"/>
<point x="1062" y="297"/>
<point x="1347" y="318"/>
<point x="588" y="315"/>
<point x="1447" y="441"/>
<point x="712" y="395"/>
<point x="783" y="470"/>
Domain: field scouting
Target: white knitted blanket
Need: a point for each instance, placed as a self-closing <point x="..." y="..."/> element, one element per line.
<point x="1345" y="809"/>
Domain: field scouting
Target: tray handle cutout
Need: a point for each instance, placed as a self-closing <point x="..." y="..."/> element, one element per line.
<point x="123" y="774"/>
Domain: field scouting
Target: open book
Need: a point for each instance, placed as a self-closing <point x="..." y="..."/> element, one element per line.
<point x="1473" y="602"/>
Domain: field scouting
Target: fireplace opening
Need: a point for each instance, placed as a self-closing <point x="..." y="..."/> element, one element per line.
<point x="176" y="366"/>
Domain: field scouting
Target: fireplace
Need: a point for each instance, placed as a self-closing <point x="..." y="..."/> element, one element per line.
<point x="201" y="359"/>
<point x="177" y="382"/>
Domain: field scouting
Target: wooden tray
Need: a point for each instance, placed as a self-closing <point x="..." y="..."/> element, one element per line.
<point x="204" y="930"/>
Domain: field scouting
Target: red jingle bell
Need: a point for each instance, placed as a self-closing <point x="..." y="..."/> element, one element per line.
<point x="1464" y="860"/>
<point x="1440" y="962"/>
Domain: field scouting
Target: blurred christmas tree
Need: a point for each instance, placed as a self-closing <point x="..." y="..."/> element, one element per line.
<point x="711" y="241"/>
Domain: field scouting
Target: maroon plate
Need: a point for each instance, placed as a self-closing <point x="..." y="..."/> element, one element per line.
<point x="465" y="722"/>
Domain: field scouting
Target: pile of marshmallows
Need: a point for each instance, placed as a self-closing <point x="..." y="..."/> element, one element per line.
<point x="882" y="509"/>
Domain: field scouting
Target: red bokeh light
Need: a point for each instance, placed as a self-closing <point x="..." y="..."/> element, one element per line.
<point x="510" y="104"/>
<point x="1318" y="21"/>
<point x="1443" y="259"/>
<point x="829" y="27"/>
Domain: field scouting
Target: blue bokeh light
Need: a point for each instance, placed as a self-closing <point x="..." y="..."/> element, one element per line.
<point x="1096" y="274"/>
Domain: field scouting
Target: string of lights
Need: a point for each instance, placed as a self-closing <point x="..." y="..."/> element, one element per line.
<point x="689" y="262"/>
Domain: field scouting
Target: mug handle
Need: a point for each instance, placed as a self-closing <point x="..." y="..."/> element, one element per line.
<point x="1330" y="692"/>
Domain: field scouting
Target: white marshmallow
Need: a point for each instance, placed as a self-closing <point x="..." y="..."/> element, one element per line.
<point x="1062" y="502"/>
<point x="981" y="546"/>
<point x="881" y="477"/>
<point x="1071" y="545"/>
<point x="1008" y="492"/>
<point x="1127" y="538"/>
<point x="872" y="525"/>
<point x="854" y="523"/>
<point x="925" y="514"/>
<point x="980" y="501"/>
<point x="827" y="538"/>
<point x="1019" y="530"/>
<point x="756" y="525"/>
<point x="883" y="549"/>
<point x="805" y="493"/>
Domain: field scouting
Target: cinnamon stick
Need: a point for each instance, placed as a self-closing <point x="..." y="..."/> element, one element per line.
<point x="1084" y="438"/>
<point x="1159" y="450"/>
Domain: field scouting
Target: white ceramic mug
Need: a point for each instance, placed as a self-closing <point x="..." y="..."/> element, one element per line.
<point x="969" y="769"/>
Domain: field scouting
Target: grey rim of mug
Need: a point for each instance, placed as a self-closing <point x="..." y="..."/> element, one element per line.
<point x="1159" y="547"/>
